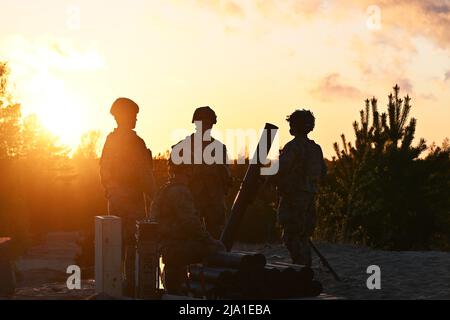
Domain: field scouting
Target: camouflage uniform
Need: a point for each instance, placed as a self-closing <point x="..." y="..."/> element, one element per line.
<point x="301" y="168"/>
<point x="209" y="185"/>
<point x="127" y="175"/>
<point x="183" y="238"/>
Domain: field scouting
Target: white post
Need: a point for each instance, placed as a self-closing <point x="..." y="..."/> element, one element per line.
<point x="108" y="255"/>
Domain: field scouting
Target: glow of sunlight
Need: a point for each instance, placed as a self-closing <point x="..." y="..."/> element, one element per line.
<point x="58" y="110"/>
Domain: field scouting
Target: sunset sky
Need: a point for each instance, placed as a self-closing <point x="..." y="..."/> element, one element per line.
<point x="253" y="61"/>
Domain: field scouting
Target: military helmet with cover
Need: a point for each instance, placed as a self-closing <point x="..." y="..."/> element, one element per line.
<point x="204" y="113"/>
<point x="124" y="106"/>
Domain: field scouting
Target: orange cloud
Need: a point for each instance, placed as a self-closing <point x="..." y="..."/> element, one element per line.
<point x="331" y="87"/>
<point x="427" y="18"/>
<point x="405" y="84"/>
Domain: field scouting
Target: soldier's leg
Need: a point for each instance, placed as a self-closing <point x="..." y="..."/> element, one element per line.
<point x="176" y="259"/>
<point x="130" y="208"/>
<point x="174" y="277"/>
<point x="291" y="240"/>
<point x="305" y="257"/>
<point x="292" y="217"/>
<point x="307" y="220"/>
<point x="298" y="247"/>
<point x="117" y="208"/>
<point x="290" y="230"/>
<point x="129" y="258"/>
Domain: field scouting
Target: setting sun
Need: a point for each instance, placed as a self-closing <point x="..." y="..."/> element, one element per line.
<point x="62" y="121"/>
<point x="58" y="109"/>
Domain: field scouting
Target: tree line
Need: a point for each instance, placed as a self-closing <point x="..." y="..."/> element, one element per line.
<point x="382" y="189"/>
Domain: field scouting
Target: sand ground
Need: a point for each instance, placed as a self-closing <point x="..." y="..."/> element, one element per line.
<point x="404" y="275"/>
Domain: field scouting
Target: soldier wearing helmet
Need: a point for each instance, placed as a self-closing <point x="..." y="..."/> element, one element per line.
<point x="301" y="168"/>
<point x="183" y="238"/>
<point x="126" y="172"/>
<point x="211" y="178"/>
<point x="206" y="115"/>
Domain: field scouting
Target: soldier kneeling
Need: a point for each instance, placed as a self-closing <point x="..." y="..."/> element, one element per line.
<point x="183" y="238"/>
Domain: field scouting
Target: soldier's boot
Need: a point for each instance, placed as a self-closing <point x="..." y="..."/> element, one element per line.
<point x="174" y="277"/>
<point x="292" y="243"/>
<point x="298" y="249"/>
<point x="129" y="281"/>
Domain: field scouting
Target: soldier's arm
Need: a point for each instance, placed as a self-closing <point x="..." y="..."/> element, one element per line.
<point x="227" y="177"/>
<point x="106" y="165"/>
<point x="149" y="179"/>
<point x="145" y="168"/>
<point x="324" y="166"/>
<point x="286" y="161"/>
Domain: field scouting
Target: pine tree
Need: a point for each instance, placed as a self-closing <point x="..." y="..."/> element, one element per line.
<point x="373" y="180"/>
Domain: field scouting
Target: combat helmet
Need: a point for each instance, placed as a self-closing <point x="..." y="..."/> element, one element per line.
<point x="204" y="113"/>
<point x="124" y="106"/>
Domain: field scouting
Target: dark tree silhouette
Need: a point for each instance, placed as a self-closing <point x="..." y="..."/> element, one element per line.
<point x="375" y="190"/>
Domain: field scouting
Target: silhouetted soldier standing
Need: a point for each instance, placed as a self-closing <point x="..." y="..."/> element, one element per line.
<point x="127" y="175"/>
<point x="301" y="168"/>
<point x="210" y="182"/>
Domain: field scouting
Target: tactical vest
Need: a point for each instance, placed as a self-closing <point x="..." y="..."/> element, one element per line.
<point x="307" y="169"/>
<point x="209" y="181"/>
<point x="128" y="156"/>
